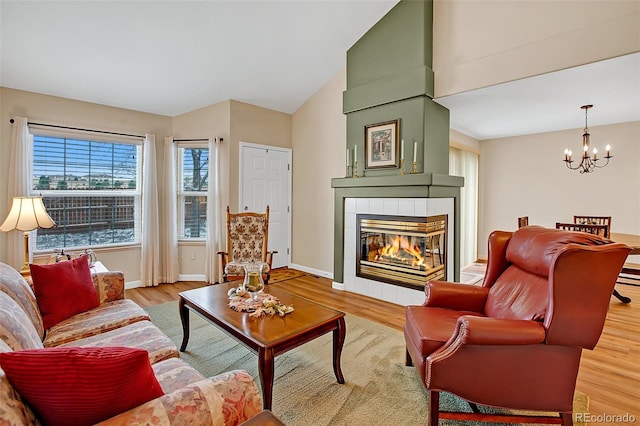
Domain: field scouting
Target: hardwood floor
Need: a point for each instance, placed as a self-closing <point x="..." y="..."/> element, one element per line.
<point x="610" y="374"/>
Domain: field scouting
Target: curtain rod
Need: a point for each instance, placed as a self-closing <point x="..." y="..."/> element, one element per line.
<point x="195" y="140"/>
<point x="84" y="130"/>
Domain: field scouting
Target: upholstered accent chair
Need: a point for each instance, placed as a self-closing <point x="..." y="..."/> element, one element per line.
<point x="247" y="241"/>
<point x="515" y="342"/>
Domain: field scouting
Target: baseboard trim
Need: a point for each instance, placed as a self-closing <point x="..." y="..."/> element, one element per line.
<point x="132" y="284"/>
<point x="191" y="277"/>
<point x="312" y="271"/>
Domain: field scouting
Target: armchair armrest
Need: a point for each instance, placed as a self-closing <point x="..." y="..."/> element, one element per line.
<point x="460" y="297"/>
<point x="109" y="285"/>
<point x="228" y="398"/>
<point x="472" y="330"/>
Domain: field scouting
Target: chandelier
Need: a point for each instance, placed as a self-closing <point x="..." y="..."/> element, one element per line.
<point x="588" y="162"/>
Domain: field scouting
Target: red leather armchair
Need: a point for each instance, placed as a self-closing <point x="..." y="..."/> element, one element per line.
<point x="515" y="342"/>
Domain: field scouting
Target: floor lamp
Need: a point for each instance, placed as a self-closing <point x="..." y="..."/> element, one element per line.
<point x="27" y="214"/>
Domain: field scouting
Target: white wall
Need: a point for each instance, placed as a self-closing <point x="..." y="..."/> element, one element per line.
<point x="525" y="176"/>
<point x="319" y="130"/>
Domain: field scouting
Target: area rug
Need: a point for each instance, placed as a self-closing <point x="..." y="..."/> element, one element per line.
<point x="379" y="388"/>
<point x="284" y="274"/>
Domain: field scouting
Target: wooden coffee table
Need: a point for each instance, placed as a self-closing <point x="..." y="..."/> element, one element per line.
<point x="270" y="335"/>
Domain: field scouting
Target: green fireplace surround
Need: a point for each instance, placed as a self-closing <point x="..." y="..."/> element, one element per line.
<point x="423" y="185"/>
<point x="389" y="77"/>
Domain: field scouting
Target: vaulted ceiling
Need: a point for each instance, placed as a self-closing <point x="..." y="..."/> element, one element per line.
<point x="172" y="57"/>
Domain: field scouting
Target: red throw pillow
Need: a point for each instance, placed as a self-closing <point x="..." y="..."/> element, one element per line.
<point x="63" y="289"/>
<point x="81" y="386"/>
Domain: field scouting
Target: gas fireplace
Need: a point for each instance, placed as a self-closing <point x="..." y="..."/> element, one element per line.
<point x="402" y="250"/>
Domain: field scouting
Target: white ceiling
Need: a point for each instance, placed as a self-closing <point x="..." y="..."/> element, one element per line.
<point x="551" y="102"/>
<point x="172" y="57"/>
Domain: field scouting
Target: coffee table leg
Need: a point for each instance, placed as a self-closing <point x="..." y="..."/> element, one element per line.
<point x="265" y="367"/>
<point x="338" y="341"/>
<point x="184" y="318"/>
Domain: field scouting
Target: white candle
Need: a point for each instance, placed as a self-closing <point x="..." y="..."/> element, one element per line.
<point x="402" y="149"/>
<point x="348" y="164"/>
<point x="355" y="153"/>
<point x="415" y="151"/>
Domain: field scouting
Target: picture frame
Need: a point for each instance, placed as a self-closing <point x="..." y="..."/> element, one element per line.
<point x="381" y="145"/>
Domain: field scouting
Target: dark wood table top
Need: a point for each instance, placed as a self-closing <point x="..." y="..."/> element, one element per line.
<point x="267" y="331"/>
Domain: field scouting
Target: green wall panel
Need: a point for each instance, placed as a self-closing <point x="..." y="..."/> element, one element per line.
<point x="400" y="41"/>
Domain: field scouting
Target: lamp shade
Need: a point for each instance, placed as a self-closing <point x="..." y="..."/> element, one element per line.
<point x="27" y="214"/>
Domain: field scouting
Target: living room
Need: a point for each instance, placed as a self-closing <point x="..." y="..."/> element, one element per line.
<point x="518" y="175"/>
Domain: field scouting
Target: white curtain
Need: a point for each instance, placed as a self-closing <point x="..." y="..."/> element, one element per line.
<point x="170" y="267"/>
<point x="150" y="253"/>
<point x="465" y="163"/>
<point x="19" y="184"/>
<point x="213" y="266"/>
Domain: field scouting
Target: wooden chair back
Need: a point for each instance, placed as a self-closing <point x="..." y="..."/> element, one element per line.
<point x="523" y="221"/>
<point x="594" y="220"/>
<point x="600" y="230"/>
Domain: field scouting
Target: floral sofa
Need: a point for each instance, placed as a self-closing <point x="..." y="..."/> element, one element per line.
<point x="189" y="397"/>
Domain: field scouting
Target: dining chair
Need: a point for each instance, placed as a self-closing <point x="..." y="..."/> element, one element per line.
<point x="596" y="229"/>
<point x="523" y="221"/>
<point x="594" y="220"/>
<point x="600" y="230"/>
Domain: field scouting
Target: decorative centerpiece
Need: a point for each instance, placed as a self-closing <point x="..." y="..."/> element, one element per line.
<point x="253" y="282"/>
<point x="250" y="297"/>
<point x="240" y="300"/>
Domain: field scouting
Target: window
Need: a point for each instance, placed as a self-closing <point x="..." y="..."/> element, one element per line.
<point x="91" y="189"/>
<point x="193" y="178"/>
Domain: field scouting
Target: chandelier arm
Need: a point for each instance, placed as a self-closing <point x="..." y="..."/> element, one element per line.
<point x="604" y="165"/>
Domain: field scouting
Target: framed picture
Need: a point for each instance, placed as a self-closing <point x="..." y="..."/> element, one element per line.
<point x="381" y="145"/>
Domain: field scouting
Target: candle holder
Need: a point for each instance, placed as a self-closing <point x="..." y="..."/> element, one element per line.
<point x="348" y="175"/>
<point x="402" y="167"/>
<point x="355" y="169"/>
<point x="414" y="168"/>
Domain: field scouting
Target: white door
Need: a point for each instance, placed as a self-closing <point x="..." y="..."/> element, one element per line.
<point x="265" y="179"/>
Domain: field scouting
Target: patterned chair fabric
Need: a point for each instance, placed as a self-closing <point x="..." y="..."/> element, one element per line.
<point x="247" y="241"/>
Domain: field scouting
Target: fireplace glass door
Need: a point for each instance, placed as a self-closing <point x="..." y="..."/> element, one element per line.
<point x="402" y="250"/>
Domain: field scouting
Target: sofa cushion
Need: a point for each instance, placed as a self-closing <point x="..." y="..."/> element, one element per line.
<point x="226" y="399"/>
<point x="141" y="335"/>
<point x="81" y="386"/>
<point x="174" y="374"/>
<point x="13" y="284"/>
<point x="16" y="330"/>
<point x="63" y="289"/>
<point x="106" y="317"/>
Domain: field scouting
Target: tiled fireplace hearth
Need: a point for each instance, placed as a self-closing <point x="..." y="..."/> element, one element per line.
<point x="417" y="208"/>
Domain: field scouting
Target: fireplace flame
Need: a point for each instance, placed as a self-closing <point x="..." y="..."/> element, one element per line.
<point x="402" y="250"/>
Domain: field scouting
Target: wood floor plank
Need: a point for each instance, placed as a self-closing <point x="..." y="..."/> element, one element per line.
<point x="610" y="374"/>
